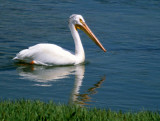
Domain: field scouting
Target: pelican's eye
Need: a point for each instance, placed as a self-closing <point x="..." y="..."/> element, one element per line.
<point x="81" y="20"/>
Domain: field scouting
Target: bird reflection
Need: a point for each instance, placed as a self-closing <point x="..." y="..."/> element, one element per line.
<point x="44" y="75"/>
<point x="82" y="99"/>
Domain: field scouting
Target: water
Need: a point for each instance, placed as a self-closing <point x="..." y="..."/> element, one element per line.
<point x="125" y="78"/>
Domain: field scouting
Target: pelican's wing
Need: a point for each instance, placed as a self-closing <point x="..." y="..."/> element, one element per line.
<point x="46" y="54"/>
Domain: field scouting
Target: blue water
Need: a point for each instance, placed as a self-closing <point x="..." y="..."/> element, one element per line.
<point x="126" y="77"/>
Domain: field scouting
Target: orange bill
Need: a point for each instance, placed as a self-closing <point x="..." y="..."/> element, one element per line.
<point x="87" y="30"/>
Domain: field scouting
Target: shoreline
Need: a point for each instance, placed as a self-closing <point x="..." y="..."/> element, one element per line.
<point x="39" y="110"/>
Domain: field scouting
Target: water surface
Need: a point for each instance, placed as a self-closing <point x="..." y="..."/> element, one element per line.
<point x="126" y="77"/>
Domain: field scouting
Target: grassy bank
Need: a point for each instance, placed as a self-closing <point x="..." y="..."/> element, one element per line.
<point x="26" y="110"/>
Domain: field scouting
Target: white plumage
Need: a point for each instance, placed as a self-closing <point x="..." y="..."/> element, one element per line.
<point x="51" y="54"/>
<point x="44" y="54"/>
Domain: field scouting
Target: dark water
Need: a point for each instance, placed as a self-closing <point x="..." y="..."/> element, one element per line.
<point x="127" y="77"/>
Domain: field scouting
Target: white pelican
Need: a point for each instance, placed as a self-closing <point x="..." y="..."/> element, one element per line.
<point x="51" y="54"/>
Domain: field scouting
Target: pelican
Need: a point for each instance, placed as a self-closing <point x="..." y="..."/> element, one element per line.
<point x="51" y="54"/>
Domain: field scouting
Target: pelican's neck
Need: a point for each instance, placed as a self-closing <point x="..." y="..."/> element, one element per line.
<point x="79" y="51"/>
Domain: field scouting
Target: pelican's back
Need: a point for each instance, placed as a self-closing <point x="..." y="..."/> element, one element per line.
<point x="46" y="54"/>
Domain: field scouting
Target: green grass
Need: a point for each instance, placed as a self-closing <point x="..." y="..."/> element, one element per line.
<point x="27" y="110"/>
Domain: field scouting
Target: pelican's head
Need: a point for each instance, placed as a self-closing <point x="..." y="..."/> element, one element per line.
<point x="79" y="23"/>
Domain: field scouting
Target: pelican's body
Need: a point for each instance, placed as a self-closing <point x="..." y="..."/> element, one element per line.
<point x="47" y="54"/>
<point x="51" y="54"/>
